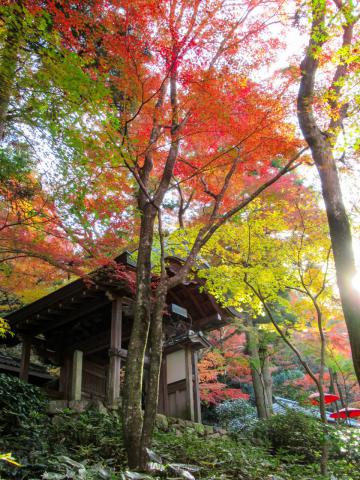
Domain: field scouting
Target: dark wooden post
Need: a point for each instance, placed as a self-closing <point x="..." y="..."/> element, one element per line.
<point x="189" y="384"/>
<point x="163" y="390"/>
<point x="65" y="376"/>
<point x="196" y="388"/>
<point x="25" y="359"/>
<point x="113" y="384"/>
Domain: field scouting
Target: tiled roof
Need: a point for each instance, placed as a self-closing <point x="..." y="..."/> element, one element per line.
<point x="282" y="404"/>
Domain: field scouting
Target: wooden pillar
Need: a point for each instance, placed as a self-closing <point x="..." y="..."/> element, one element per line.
<point x="65" y="376"/>
<point x="113" y="384"/>
<point x="25" y="359"/>
<point x="76" y="380"/>
<point x="163" y="406"/>
<point x="189" y="384"/>
<point x="196" y="388"/>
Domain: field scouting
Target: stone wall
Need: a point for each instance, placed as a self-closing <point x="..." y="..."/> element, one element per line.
<point x="179" y="426"/>
<point x="163" y="423"/>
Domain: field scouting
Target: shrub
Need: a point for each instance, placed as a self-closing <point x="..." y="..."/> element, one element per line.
<point x="23" y="423"/>
<point x="291" y="433"/>
<point x="20" y="403"/>
<point x="219" y="458"/>
<point x="90" y="434"/>
<point x="346" y="443"/>
<point x="236" y="415"/>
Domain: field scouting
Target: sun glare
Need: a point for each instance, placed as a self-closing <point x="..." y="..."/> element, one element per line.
<point x="356" y="282"/>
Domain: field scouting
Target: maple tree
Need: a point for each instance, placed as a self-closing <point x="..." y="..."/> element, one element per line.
<point x="169" y="69"/>
<point x="326" y="112"/>
<point x="215" y="365"/>
<point x="34" y="254"/>
<point x="49" y="209"/>
<point x="225" y="366"/>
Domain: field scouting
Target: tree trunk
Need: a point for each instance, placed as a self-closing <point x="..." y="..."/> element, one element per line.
<point x="133" y="388"/>
<point x="152" y="394"/>
<point x="324" y="460"/>
<point x="267" y="379"/>
<point x="340" y="390"/>
<point x="320" y="144"/>
<point x="263" y="407"/>
<point x="341" y="240"/>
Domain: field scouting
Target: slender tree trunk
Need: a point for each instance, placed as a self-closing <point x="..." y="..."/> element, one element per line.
<point x="332" y="388"/>
<point x="341" y="395"/>
<point x="267" y="379"/>
<point x="319" y="382"/>
<point x="133" y="388"/>
<point x="261" y="400"/>
<point x="324" y="460"/>
<point x="325" y="446"/>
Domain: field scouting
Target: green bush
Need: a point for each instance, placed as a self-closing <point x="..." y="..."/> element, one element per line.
<point x="236" y="415"/>
<point x="292" y="433"/>
<point x="219" y="458"/>
<point x="90" y="434"/>
<point x="20" y="403"/>
<point x="23" y="423"/>
<point x="346" y="443"/>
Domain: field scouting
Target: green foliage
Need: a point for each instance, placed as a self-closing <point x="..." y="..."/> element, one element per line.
<point x="226" y="458"/>
<point x="88" y="445"/>
<point x="15" y="163"/>
<point x="347" y="444"/>
<point x="283" y="384"/>
<point x="220" y="458"/>
<point x="282" y="376"/>
<point x="88" y="435"/>
<point x="292" y="433"/>
<point x="20" y="403"/>
<point x="22" y="423"/>
<point x="236" y="415"/>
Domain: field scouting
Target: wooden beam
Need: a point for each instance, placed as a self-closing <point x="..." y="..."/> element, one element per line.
<point x="214" y="320"/>
<point x="189" y="384"/>
<point x="123" y="353"/>
<point x="25" y="359"/>
<point x="93" y="344"/>
<point x="113" y="384"/>
<point x="80" y="312"/>
<point x="76" y="380"/>
<point x="193" y="293"/>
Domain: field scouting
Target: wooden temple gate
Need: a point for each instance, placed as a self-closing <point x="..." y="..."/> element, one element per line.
<point x="84" y="329"/>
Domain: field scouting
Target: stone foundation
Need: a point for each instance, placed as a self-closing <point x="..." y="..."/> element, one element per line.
<point x="180" y="426"/>
<point x="57" y="406"/>
<point x="163" y="423"/>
